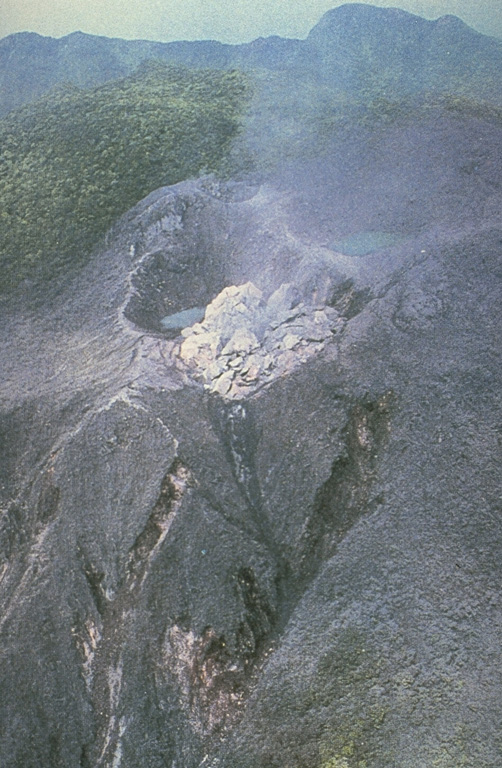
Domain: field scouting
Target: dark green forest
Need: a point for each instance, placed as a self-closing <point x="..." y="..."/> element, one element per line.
<point x="75" y="161"/>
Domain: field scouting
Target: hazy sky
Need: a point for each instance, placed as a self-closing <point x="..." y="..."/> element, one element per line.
<point x="226" y="20"/>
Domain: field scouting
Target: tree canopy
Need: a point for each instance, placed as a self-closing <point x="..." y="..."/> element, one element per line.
<point x="75" y="161"/>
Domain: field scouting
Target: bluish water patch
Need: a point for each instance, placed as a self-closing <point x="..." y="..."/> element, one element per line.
<point x="183" y="319"/>
<point x="363" y="243"/>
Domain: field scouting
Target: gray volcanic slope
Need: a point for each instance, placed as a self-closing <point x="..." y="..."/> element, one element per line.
<point x="306" y="575"/>
<point x="309" y="576"/>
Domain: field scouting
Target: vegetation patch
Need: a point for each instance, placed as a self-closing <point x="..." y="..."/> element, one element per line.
<point x="75" y="161"/>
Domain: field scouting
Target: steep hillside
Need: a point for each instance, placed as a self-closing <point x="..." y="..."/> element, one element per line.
<point x="31" y="64"/>
<point x="77" y="160"/>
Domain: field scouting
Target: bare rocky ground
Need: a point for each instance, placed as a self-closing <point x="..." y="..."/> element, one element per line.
<point x="307" y="575"/>
<point x="244" y="343"/>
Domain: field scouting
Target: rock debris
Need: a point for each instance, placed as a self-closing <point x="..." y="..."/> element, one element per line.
<point x="244" y="341"/>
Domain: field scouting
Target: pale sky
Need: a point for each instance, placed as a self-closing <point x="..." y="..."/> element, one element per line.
<point x="230" y="21"/>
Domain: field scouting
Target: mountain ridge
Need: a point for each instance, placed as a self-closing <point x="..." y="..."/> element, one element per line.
<point x="31" y="63"/>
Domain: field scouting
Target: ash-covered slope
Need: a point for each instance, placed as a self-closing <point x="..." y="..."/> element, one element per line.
<point x="356" y="48"/>
<point x="305" y="576"/>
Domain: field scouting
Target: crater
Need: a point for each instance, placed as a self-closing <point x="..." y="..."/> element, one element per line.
<point x="170" y="294"/>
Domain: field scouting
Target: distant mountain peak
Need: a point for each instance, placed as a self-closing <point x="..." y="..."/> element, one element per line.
<point x="449" y="18"/>
<point x="352" y="17"/>
<point x="353" y="21"/>
<point x="22" y="38"/>
<point x="449" y="21"/>
<point x="363" y="12"/>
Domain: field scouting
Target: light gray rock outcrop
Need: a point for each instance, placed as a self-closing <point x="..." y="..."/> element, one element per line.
<point x="245" y="342"/>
